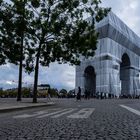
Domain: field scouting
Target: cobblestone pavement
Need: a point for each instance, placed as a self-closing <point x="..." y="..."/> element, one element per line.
<point x="74" y="120"/>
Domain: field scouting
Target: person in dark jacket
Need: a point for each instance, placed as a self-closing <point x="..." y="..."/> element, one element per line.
<point x="86" y="94"/>
<point x="78" y="97"/>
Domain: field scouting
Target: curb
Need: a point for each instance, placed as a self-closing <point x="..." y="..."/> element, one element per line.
<point x="5" y="110"/>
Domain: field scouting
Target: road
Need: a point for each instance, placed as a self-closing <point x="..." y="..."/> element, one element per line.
<point x="69" y="119"/>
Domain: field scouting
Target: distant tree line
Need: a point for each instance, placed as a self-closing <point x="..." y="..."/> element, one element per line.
<point x="27" y="93"/>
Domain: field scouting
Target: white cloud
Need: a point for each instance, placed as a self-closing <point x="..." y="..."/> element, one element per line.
<point x="28" y="79"/>
<point x="59" y="75"/>
<point x="10" y="83"/>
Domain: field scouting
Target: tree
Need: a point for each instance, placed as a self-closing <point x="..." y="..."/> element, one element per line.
<point x="63" y="93"/>
<point x="61" y="32"/>
<point x="53" y="92"/>
<point x="13" y="35"/>
<point x="2" y="55"/>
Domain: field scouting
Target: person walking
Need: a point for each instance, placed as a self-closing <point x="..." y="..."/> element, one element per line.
<point x="78" y="97"/>
<point x="48" y="95"/>
<point x="86" y="94"/>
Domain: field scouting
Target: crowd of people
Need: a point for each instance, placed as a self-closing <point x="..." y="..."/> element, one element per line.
<point x="101" y="95"/>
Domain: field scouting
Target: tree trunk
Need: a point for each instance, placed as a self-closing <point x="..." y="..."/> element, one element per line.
<point x="20" y="72"/>
<point x="36" y="75"/>
<point x="21" y="57"/>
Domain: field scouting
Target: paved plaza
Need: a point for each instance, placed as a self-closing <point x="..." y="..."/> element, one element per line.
<point x="68" y="119"/>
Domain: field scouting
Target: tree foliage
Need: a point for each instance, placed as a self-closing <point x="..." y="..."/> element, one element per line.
<point x="14" y="18"/>
<point x="14" y="36"/>
<point x="60" y="26"/>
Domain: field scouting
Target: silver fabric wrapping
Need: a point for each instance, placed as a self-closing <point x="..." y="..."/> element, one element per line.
<point x="115" y="40"/>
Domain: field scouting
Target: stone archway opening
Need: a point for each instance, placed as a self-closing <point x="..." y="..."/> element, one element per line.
<point x="125" y="75"/>
<point x="90" y="80"/>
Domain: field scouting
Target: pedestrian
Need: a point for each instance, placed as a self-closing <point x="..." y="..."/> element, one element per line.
<point x="78" y="97"/>
<point x="101" y="95"/>
<point x="86" y="94"/>
<point x="48" y="96"/>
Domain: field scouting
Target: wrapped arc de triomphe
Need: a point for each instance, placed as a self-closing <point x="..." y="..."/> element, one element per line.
<point x="116" y="65"/>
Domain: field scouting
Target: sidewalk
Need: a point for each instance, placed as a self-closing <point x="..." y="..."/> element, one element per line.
<point x="10" y="104"/>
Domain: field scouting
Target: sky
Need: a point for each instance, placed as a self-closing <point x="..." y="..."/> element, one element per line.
<point x="63" y="76"/>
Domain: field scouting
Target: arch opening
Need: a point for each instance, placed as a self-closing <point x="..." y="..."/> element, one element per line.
<point x="90" y="80"/>
<point x="125" y="75"/>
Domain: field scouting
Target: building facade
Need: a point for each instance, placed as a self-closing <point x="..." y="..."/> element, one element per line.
<point x="116" y="65"/>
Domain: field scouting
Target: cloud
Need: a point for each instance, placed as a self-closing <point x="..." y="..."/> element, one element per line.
<point x="58" y="76"/>
<point x="127" y="10"/>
